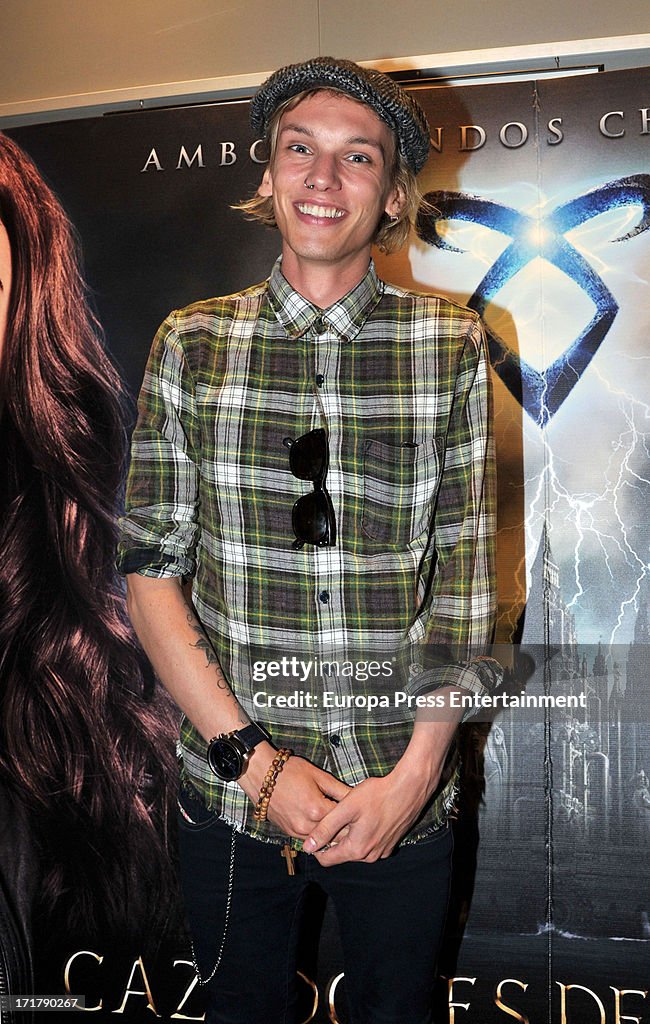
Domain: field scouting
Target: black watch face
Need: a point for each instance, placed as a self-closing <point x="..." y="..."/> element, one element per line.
<point x="225" y="760"/>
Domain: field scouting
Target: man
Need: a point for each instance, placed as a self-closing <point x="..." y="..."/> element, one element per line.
<point x="314" y="453"/>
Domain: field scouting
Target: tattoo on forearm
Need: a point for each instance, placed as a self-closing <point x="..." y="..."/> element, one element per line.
<point x="202" y="644"/>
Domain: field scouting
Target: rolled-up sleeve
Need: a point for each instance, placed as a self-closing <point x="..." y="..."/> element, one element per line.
<point x="158" y="532"/>
<point x="463" y="605"/>
<point x="463" y="598"/>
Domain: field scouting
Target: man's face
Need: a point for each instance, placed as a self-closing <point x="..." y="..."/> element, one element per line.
<point x="342" y="149"/>
<point x="5" y="280"/>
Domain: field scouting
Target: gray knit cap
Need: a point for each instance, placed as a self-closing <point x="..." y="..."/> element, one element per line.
<point x="396" y="107"/>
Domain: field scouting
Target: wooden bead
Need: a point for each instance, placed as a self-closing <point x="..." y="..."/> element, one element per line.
<point x="268" y="785"/>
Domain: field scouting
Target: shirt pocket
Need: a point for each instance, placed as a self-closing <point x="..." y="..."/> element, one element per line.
<point x="400" y="483"/>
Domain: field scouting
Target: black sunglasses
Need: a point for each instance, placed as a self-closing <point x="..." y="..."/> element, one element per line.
<point x="312" y="517"/>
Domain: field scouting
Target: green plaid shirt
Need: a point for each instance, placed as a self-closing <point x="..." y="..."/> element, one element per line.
<point x="400" y="382"/>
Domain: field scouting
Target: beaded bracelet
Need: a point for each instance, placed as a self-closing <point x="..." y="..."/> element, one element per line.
<point x="270" y="779"/>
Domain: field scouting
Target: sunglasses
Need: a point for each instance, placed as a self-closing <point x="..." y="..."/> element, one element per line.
<point x="312" y="517"/>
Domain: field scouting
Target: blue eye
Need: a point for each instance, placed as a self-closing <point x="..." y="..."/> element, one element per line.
<point x="298" y="147"/>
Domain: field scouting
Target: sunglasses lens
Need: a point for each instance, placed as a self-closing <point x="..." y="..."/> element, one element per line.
<point x="308" y="456"/>
<point x="311" y="518"/>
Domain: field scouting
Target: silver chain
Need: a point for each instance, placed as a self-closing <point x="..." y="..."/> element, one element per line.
<point x="231" y="875"/>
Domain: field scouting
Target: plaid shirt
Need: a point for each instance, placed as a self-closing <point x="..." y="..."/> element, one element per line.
<point x="400" y="382"/>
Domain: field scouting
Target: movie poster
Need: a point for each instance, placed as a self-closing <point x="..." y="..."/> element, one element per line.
<point x="542" y="200"/>
<point x="538" y="208"/>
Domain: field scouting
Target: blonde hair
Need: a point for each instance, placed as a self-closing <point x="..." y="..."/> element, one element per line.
<point x="391" y="234"/>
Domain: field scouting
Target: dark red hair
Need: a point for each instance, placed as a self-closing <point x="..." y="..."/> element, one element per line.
<point x="82" y="738"/>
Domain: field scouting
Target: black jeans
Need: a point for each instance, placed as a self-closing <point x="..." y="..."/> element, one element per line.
<point x="391" y="916"/>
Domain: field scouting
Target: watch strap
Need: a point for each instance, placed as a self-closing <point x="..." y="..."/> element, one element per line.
<point x="251" y="735"/>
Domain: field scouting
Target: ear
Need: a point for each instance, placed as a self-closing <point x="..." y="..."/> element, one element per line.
<point x="395" y="202"/>
<point x="265" y="187"/>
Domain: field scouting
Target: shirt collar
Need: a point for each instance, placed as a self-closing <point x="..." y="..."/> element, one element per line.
<point x="346" y="316"/>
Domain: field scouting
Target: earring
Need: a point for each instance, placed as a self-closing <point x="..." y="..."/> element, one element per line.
<point x="393" y="218"/>
<point x="306" y="185"/>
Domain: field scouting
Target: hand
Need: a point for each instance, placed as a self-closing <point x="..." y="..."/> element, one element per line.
<point x="303" y="794"/>
<point x="369" y="822"/>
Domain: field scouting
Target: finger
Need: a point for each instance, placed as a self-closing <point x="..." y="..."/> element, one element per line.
<point x="346" y="850"/>
<point x="332" y="787"/>
<point x="327" y="828"/>
<point x="340" y="835"/>
<point x="339" y="854"/>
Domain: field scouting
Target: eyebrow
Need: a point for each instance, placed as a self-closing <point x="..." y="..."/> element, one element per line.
<point x="356" y="140"/>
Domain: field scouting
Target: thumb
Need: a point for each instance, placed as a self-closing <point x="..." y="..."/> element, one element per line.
<point x="327" y="828"/>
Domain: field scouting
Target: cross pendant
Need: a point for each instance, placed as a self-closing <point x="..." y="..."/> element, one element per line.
<point x="289" y="856"/>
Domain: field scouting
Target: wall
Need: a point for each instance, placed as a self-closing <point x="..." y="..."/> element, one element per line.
<point x="61" y="54"/>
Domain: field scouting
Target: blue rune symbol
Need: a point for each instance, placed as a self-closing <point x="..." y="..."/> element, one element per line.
<point x="541" y="393"/>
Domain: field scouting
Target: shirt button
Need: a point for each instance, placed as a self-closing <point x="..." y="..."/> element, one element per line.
<point x="319" y="325"/>
<point x="320" y="379"/>
<point x="323" y="596"/>
<point x="335" y="740"/>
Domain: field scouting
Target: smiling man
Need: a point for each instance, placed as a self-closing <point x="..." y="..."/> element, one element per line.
<point x="314" y="454"/>
<point x="331" y="181"/>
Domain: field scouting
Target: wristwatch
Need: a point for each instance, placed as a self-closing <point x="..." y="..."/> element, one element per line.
<point x="229" y="752"/>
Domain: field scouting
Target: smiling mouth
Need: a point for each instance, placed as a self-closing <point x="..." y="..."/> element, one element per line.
<point x="320" y="211"/>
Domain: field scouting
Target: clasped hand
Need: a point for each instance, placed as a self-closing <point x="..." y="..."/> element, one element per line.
<point x="368" y="822"/>
<point x="341" y="823"/>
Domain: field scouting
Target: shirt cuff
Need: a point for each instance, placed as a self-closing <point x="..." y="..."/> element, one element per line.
<point x="481" y="675"/>
<point x="152" y="562"/>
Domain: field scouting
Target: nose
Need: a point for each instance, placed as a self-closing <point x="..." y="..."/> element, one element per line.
<point x="324" y="174"/>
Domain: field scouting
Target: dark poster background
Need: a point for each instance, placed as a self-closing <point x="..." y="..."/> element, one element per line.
<point x="543" y="211"/>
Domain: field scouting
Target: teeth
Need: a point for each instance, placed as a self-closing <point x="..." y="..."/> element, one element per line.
<point x="319" y="211"/>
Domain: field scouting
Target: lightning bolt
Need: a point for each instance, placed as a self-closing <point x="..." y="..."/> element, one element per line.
<point x="559" y="509"/>
<point x="553" y="506"/>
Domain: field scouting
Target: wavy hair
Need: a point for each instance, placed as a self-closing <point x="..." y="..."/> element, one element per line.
<point x="83" y="740"/>
<point x="391" y="234"/>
